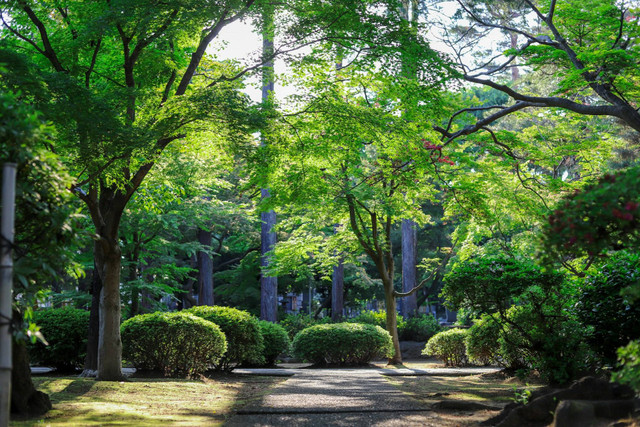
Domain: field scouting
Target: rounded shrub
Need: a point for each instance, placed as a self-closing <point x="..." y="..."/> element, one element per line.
<point x="244" y="339"/>
<point x="342" y="343"/>
<point x="176" y="344"/>
<point x="419" y="328"/>
<point x="449" y="346"/>
<point x="483" y="341"/>
<point x="65" y="329"/>
<point x="276" y="341"/>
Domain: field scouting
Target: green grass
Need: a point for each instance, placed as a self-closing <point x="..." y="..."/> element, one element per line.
<point x="143" y="401"/>
<point x="478" y="388"/>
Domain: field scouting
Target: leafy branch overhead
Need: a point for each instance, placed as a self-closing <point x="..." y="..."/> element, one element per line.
<point x="590" y="47"/>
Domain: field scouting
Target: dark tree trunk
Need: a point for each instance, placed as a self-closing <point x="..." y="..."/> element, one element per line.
<point x="205" y="270"/>
<point x="91" y="359"/>
<point x="337" y="292"/>
<point x="409" y="237"/>
<point x="25" y="399"/>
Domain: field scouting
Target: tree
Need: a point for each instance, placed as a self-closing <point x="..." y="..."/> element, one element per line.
<point x="123" y="81"/>
<point x="378" y="171"/>
<point x="589" y="46"/>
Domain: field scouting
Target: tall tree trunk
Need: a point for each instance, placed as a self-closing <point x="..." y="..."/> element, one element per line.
<point x="409" y="237"/>
<point x="25" y="399"/>
<point x="91" y="359"/>
<point x="337" y="292"/>
<point x="268" y="285"/>
<point x="205" y="270"/>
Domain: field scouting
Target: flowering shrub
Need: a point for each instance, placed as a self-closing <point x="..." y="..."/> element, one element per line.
<point x="604" y="216"/>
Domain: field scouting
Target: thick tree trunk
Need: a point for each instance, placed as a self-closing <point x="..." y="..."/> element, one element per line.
<point x="25" y="399"/>
<point x="205" y="270"/>
<point x="109" y="344"/>
<point x="337" y="292"/>
<point x="91" y="359"/>
<point x="409" y="237"/>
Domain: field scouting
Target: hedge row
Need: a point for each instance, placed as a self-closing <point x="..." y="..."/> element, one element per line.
<point x="185" y="343"/>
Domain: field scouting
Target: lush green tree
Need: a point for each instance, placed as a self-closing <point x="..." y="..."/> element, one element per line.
<point x="120" y="81"/>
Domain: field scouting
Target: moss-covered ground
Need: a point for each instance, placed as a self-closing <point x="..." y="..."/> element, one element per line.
<point x="146" y="401"/>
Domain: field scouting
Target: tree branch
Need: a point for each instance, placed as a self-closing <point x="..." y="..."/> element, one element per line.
<point x="48" y="51"/>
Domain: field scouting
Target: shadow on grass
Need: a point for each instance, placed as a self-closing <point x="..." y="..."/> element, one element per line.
<point x="147" y="401"/>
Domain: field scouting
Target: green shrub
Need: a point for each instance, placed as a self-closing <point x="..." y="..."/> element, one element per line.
<point x="612" y="319"/>
<point x="176" y="344"/>
<point x="276" y="341"/>
<point x="629" y="365"/>
<point x="419" y="328"/>
<point x="66" y="331"/>
<point x="449" y="346"/>
<point x="294" y="323"/>
<point x="244" y="340"/>
<point x="342" y="343"/>
<point x="483" y="341"/>
<point x="533" y="308"/>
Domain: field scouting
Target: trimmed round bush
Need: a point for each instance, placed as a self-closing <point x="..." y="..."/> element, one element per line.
<point x="449" y="346"/>
<point x="65" y="329"/>
<point x="419" y="328"/>
<point x="342" y="344"/>
<point x="244" y="339"/>
<point x="176" y="344"/>
<point x="276" y="341"/>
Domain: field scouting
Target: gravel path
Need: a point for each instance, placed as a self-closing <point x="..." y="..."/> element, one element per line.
<point x="336" y="397"/>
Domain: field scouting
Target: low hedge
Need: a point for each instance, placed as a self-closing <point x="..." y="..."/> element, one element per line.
<point x="66" y="331"/>
<point x="342" y="343"/>
<point x="176" y="344"/>
<point x="244" y="339"/>
<point x="276" y="341"/>
<point x="449" y="346"/>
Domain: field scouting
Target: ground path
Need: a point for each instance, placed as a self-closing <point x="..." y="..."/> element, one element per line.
<point x="340" y="397"/>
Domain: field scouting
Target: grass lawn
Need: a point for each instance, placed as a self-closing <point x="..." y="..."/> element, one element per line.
<point x="146" y="401"/>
